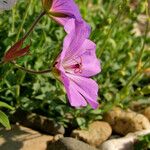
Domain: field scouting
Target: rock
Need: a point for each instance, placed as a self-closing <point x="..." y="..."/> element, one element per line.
<point x="141" y="108"/>
<point x="22" y="138"/>
<point x="146" y="112"/>
<point x="68" y="143"/>
<point x="125" y="143"/>
<point x="57" y="137"/>
<point x="126" y="121"/>
<point x="37" y="122"/>
<point x="114" y="137"/>
<point x="112" y="115"/>
<point x="97" y="133"/>
<point x="137" y="106"/>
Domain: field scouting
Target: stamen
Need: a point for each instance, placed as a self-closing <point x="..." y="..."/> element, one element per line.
<point x="78" y="66"/>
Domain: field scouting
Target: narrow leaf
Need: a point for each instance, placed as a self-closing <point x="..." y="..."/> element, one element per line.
<point x="2" y="104"/>
<point x="4" y="120"/>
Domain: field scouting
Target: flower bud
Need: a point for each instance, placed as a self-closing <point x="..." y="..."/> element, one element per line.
<point x="16" y="51"/>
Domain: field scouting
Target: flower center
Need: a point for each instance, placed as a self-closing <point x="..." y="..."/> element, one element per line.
<point x="73" y="65"/>
<point x="77" y="67"/>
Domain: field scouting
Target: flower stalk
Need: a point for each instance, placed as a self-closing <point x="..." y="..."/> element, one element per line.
<point x="23" y="21"/>
<point x="34" y="24"/>
<point x="139" y="64"/>
<point x="16" y="50"/>
<point x="30" y="71"/>
<point x="131" y="80"/>
<point x="116" y="19"/>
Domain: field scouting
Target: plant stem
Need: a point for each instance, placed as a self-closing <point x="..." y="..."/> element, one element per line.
<point x="34" y="24"/>
<point x="99" y="54"/>
<point x="23" y="21"/>
<point x="144" y="42"/>
<point x="24" y="37"/>
<point x="108" y="35"/>
<point x="31" y="71"/>
<point x="131" y="80"/>
<point x="13" y="20"/>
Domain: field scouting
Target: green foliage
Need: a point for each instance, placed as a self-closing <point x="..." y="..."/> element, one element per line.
<point x="3" y="117"/>
<point x="4" y="120"/>
<point x="118" y="47"/>
<point x="143" y="143"/>
<point x="2" y="104"/>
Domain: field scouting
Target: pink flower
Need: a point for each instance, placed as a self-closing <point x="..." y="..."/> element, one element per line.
<point x="76" y="63"/>
<point x="63" y="10"/>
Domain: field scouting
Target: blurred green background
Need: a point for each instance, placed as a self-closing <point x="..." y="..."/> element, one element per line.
<point x="120" y="29"/>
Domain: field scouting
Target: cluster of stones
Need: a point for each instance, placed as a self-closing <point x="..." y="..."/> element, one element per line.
<point x="126" y="126"/>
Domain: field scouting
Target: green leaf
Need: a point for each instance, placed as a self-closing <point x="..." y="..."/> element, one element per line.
<point x="81" y="122"/>
<point x="146" y="90"/>
<point x="4" y="120"/>
<point x="96" y="112"/>
<point x="2" y="104"/>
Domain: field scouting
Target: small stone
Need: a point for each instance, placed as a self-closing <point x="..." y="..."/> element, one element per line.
<point x="57" y="137"/>
<point x="97" y="133"/>
<point x="22" y="138"/>
<point x="68" y="143"/>
<point x="146" y="112"/>
<point x="112" y="115"/>
<point x="126" y="121"/>
<point x="125" y="143"/>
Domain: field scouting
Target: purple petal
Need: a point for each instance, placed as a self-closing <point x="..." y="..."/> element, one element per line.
<point x="90" y="63"/>
<point x="78" y="27"/>
<point x="85" y="55"/>
<point x="75" y="98"/>
<point x="60" y="20"/>
<point x="88" y="88"/>
<point x="80" y="89"/>
<point x="67" y="7"/>
<point x="77" y="33"/>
